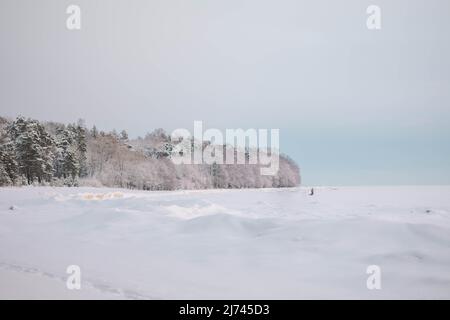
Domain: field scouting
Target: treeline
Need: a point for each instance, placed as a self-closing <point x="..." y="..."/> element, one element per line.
<point x="56" y="154"/>
<point x="32" y="153"/>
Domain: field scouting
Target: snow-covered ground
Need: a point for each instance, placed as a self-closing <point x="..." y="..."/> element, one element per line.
<point x="256" y="244"/>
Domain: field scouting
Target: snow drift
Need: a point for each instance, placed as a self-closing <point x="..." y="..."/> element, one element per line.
<point x="240" y="244"/>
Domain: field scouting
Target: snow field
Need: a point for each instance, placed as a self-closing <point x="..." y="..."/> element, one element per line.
<point x="225" y="244"/>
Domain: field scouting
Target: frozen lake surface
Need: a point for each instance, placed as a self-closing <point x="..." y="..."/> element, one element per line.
<point x="225" y="244"/>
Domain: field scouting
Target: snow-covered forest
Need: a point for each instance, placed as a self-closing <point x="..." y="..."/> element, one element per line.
<point x="49" y="153"/>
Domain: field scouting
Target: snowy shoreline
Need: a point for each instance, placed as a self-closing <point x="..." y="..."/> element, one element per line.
<point x="210" y="244"/>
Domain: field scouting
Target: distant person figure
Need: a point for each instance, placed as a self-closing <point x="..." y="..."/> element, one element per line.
<point x="311" y="192"/>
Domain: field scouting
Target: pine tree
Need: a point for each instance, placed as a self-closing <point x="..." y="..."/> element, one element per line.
<point x="215" y="173"/>
<point x="34" y="149"/>
<point x="4" y="177"/>
<point x="68" y="165"/>
<point x="71" y="165"/>
<point x="47" y="146"/>
<point x="81" y="146"/>
<point x="123" y="135"/>
<point x="9" y="168"/>
<point x="9" y="163"/>
<point x="94" y="132"/>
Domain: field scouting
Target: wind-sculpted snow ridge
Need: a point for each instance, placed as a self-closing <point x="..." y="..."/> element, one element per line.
<point x="254" y="244"/>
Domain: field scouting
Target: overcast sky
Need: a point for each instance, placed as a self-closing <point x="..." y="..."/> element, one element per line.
<point x="354" y="106"/>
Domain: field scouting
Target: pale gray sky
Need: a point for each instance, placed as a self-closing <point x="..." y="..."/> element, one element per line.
<point x="353" y="106"/>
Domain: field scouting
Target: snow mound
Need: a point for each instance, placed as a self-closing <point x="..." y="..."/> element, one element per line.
<point x="101" y="196"/>
<point x="197" y="210"/>
<point x="90" y="196"/>
<point x="227" y="225"/>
